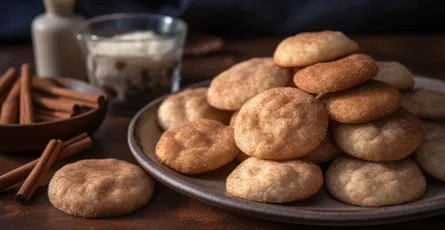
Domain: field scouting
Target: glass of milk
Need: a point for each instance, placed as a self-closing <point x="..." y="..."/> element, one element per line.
<point x="134" y="58"/>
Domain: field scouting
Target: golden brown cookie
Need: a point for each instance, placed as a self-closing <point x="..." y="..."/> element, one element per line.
<point x="424" y="103"/>
<point x="336" y="75"/>
<point x="386" y="139"/>
<point x="235" y="86"/>
<point x="233" y="118"/>
<point x="309" y="48"/>
<point x="431" y="153"/>
<point x="197" y="147"/>
<point x="100" y="188"/>
<point x="366" y="102"/>
<point x="280" y="124"/>
<point x="325" y="152"/>
<point x="374" y="184"/>
<point x="188" y="105"/>
<point x="274" y="182"/>
<point x="395" y="74"/>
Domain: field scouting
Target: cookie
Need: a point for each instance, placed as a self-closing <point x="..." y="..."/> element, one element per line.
<point x="336" y="75"/>
<point x="197" y="147"/>
<point x="280" y="124"/>
<point x="386" y="139"/>
<point x="424" y="103"/>
<point x="395" y="74"/>
<point x="100" y="188"/>
<point x="374" y="184"/>
<point x="188" y="105"/>
<point x="235" y="86"/>
<point x="233" y="118"/>
<point x="325" y="152"/>
<point x="431" y="153"/>
<point x="309" y="48"/>
<point x="274" y="182"/>
<point x="366" y="102"/>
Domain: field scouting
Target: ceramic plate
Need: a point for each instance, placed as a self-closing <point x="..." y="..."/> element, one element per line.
<point x="320" y="209"/>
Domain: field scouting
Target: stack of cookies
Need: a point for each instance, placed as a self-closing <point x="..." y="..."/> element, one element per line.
<point x="316" y="100"/>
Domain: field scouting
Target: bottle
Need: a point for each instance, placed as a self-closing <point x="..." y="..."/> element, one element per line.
<point x="56" y="50"/>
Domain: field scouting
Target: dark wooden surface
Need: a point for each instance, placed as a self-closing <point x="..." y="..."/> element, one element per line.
<point x="423" y="54"/>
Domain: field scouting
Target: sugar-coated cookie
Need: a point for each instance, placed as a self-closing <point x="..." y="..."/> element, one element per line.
<point x="309" y="48"/>
<point x="235" y="86"/>
<point x="374" y="184"/>
<point x="280" y="124"/>
<point x="325" y="152"/>
<point x="431" y="153"/>
<point x="424" y="103"/>
<point x="189" y="105"/>
<point x="197" y="147"/>
<point x="386" y="139"/>
<point x="274" y="182"/>
<point x="395" y="74"/>
<point x="366" y="102"/>
<point x="100" y="188"/>
<point x="336" y="75"/>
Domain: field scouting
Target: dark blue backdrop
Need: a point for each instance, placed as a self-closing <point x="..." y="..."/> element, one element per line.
<point x="251" y="16"/>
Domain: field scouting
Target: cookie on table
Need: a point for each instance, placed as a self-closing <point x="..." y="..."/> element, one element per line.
<point x="189" y="105"/>
<point x="280" y="124"/>
<point x="309" y="48"/>
<point x="274" y="181"/>
<point x="197" y="147"/>
<point x="386" y="139"/>
<point x="374" y="184"/>
<point x="100" y="188"/>
<point x="325" y="152"/>
<point x="424" y="103"/>
<point x="366" y="102"/>
<point x="395" y="74"/>
<point x="235" y="86"/>
<point x="336" y="75"/>
<point x="431" y="153"/>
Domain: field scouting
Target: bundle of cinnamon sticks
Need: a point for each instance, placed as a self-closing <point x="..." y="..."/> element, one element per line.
<point x="25" y="101"/>
<point x="34" y="172"/>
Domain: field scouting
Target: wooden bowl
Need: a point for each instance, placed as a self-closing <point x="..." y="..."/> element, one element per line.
<point x="34" y="137"/>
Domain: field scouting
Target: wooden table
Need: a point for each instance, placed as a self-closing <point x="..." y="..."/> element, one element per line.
<point x="169" y="210"/>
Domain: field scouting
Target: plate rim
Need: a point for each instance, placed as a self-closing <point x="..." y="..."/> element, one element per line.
<point x="373" y="216"/>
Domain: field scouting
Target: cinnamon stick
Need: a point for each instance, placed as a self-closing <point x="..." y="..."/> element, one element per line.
<point x="90" y="100"/>
<point x="7" y="80"/>
<point x="39" y="172"/>
<point x="44" y="117"/>
<point x="26" y="107"/>
<point x="10" y="107"/>
<point x="56" y="104"/>
<point x="3" y="97"/>
<point x="56" y="114"/>
<point x="71" y="147"/>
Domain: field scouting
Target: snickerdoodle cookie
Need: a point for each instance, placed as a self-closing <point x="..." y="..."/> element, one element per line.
<point x="100" y="188"/>
<point x="326" y="151"/>
<point x="274" y="182"/>
<point x="374" y="184"/>
<point x="336" y="75"/>
<point x="188" y="105"/>
<point x="308" y="48"/>
<point x="431" y="153"/>
<point x="427" y="104"/>
<point x="235" y="86"/>
<point x="388" y="138"/>
<point x="366" y="102"/>
<point x="233" y="118"/>
<point x="280" y="124"/>
<point x="197" y="147"/>
<point x="395" y="74"/>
